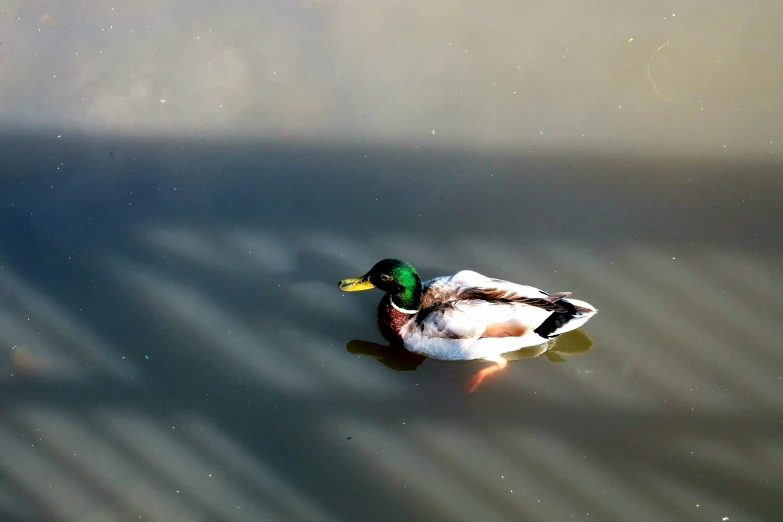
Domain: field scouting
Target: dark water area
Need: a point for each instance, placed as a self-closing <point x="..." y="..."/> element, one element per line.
<point x="173" y="345"/>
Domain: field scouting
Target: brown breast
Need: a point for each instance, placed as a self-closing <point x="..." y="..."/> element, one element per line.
<point x="391" y="320"/>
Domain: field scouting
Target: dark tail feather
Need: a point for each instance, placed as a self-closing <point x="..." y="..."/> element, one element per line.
<point x="556" y="320"/>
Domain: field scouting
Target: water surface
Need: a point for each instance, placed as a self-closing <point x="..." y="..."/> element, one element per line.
<point x="173" y="345"/>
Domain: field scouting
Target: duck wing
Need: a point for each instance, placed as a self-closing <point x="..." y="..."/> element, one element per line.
<point x="508" y="294"/>
<point x="466" y="285"/>
<point x="469" y="304"/>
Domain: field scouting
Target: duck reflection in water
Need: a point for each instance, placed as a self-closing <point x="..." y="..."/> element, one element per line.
<point x="396" y="357"/>
<point x="466" y="316"/>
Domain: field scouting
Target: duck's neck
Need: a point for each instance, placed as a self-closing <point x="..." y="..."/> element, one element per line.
<point x="392" y="317"/>
<point x="396" y="310"/>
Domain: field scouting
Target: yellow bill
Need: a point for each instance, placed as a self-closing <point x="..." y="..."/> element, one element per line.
<point x="356" y="285"/>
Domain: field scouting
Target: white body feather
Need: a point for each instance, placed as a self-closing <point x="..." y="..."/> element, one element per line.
<point x="455" y="332"/>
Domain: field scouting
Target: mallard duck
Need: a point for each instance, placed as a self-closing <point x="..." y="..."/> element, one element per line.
<point x="466" y="316"/>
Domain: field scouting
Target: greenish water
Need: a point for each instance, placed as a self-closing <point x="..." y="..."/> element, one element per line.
<point x="175" y="346"/>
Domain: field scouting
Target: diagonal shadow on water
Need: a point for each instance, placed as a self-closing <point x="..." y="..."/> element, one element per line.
<point x="197" y="292"/>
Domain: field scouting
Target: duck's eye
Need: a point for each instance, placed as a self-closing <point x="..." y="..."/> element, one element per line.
<point x="385" y="277"/>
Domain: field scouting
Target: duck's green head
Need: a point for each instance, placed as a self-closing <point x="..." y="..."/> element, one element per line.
<point x="395" y="277"/>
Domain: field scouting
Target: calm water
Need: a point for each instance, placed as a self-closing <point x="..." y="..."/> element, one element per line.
<point x="173" y="345"/>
